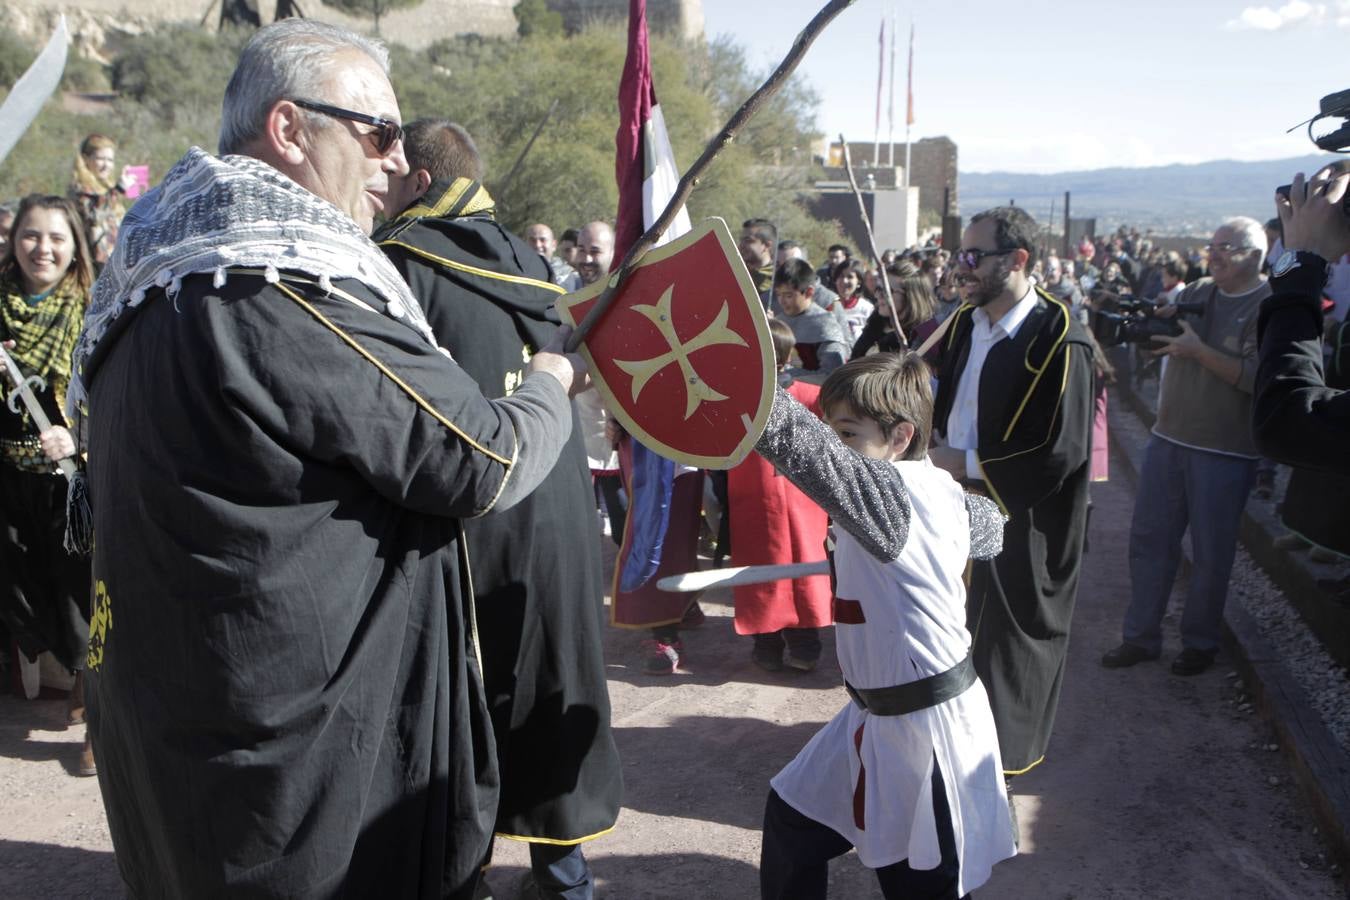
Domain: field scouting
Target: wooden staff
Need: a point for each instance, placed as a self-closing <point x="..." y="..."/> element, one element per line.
<point x="500" y="189"/>
<point x="872" y="244"/>
<point x="690" y="179"/>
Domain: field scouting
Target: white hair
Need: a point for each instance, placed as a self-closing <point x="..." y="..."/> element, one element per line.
<point x="285" y="60"/>
<point x="1250" y="233"/>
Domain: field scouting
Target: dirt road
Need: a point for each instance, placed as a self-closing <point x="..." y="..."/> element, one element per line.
<point x="1155" y="786"/>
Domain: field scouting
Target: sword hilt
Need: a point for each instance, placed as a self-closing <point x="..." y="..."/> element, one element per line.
<point x="34" y="382"/>
<point x="23" y="390"/>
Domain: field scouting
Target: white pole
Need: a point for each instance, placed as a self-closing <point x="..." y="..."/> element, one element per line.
<point x="907" y="157"/>
<point x="890" y="131"/>
<point x="881" y="74"/>
<point x="909" y="100"/>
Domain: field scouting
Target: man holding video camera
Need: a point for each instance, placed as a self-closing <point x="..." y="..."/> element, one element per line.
<point x="1297" y="419"/>
<point x="1201" y="461"/>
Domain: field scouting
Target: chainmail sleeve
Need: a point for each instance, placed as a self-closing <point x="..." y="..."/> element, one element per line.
<point x="865" y="497"/>
<point x="986" y="527"/>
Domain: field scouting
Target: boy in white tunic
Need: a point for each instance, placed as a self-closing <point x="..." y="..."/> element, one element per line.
<point x="909" y="771"/>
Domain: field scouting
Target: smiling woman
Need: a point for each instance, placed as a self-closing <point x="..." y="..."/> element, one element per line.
<point x="45" y="275"/>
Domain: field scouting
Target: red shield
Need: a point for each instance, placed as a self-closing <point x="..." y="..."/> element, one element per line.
<point x="683" y="358"/>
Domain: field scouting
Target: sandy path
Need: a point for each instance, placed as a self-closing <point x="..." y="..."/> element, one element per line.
<point x="1155" y="786"/>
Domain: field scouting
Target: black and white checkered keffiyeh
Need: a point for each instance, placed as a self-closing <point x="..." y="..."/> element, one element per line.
<point x="212" y="214"/>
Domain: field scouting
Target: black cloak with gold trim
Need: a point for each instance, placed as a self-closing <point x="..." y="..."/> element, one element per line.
<point x="1035" y="436"/>
<point x="535" y="569"/>
<point x="283" y="684"/>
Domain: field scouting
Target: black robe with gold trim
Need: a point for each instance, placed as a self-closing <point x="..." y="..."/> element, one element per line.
<point x="283" y="689"/>
<point x="536" y="572"/>
<point x="1035" y="435"/>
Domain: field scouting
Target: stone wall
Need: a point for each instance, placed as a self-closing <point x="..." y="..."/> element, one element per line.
<point x="94" y="23"/>
<point x="681" y="17"/>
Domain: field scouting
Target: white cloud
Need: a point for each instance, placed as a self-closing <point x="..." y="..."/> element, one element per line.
<point x="1269" y="18"/>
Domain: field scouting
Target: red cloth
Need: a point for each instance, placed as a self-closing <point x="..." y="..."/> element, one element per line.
<point x="649" y="606"/>
<point x="773" y="523"/>
<point x="637" y="96"/>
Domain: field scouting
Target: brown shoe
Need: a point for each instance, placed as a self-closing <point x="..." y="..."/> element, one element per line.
<point x="75" y="705"/>
<point x="87" y="765"/>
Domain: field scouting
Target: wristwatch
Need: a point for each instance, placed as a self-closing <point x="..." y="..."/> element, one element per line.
<point x="1292" y="259"/>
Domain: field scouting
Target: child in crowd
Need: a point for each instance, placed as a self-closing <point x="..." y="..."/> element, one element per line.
<point x="774" y="523"/>
<point x="821" y="345"/>
<point x="909" y="772"/>
<point x="848" y="283"/>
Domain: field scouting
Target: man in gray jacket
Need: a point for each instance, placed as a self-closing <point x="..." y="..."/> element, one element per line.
<point x="1201" y="461"/>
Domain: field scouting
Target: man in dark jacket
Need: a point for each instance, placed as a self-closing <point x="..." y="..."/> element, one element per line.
<point x="1014" y="408"/>
<point x="283" y="683"/>
<point x="1296" y="418"/>
<point x="535" y="571"/>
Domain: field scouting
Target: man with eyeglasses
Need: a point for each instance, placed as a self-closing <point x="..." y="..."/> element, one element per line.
<point x="537" y="581"/>
<point x="284" y="685"/>
<point x="1200" y="463"/>
<point x="1014" y="409"/>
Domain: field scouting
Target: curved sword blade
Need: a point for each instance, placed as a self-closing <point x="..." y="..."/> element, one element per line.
<point x="31" y="91"/>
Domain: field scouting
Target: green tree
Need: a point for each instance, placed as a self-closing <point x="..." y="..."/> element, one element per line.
<point x="171" y="83"/>
<point x="500" y="90"/>
<point x="15" y="57"/>
<point x="535" y="19"/>
<point x="372" y="9"/>
<point x="179" y="72"/>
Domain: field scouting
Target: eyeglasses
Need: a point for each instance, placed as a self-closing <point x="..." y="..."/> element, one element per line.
<point x="971" y="258"/>
<point x="387" y="134"/>
<point x="1226" y="248"/>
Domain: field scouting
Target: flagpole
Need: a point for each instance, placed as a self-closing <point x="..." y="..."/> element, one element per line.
<point x="890" y="117"/>
<point x="881" y="74"/>
<point x="909" y="101"/>
<point x="690" y="179"/>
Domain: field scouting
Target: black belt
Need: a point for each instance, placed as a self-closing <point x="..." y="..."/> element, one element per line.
<point x="915" y="695"/>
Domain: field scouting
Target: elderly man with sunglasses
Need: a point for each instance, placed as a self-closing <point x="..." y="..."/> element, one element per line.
<point x="1014" y="408"/>
<point x="1201" y="460"/>
<point x="284" y="687"/>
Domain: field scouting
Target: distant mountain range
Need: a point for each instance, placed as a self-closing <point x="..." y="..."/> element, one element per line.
<point x="1176" y="199"/>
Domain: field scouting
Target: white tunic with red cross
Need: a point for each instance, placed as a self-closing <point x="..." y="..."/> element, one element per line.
<point x="869" y="777"/>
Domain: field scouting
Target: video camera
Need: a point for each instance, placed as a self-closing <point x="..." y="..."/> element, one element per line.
<point x="1131" y="321"/>
<point x="1333" y="106"/>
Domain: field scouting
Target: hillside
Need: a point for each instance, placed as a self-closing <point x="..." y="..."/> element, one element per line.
<point x="1176" y="199"/>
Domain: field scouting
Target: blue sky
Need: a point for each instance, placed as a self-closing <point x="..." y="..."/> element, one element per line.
<point x="1039" y="86"/>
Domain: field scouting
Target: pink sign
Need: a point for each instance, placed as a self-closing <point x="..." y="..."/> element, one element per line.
<point x="141" y="174"/>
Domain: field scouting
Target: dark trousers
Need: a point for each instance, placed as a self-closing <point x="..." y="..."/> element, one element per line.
<point x="1183" y="489"/>
<point x="561" y="872"/>
<point x="610" y="490"/>
<point x="802" y="643"/>
<point x="794" y="858"/>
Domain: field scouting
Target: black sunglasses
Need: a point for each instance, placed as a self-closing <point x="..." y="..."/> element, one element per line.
<point x="387" y="134"/>
<point x="971" y="258"/>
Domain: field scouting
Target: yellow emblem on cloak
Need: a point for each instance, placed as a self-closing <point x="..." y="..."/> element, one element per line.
<point x="100" y="623"/>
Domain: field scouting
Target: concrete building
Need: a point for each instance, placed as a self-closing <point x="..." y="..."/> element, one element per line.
<point x="933" y="169"/>
<point x="895" y="212"/>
